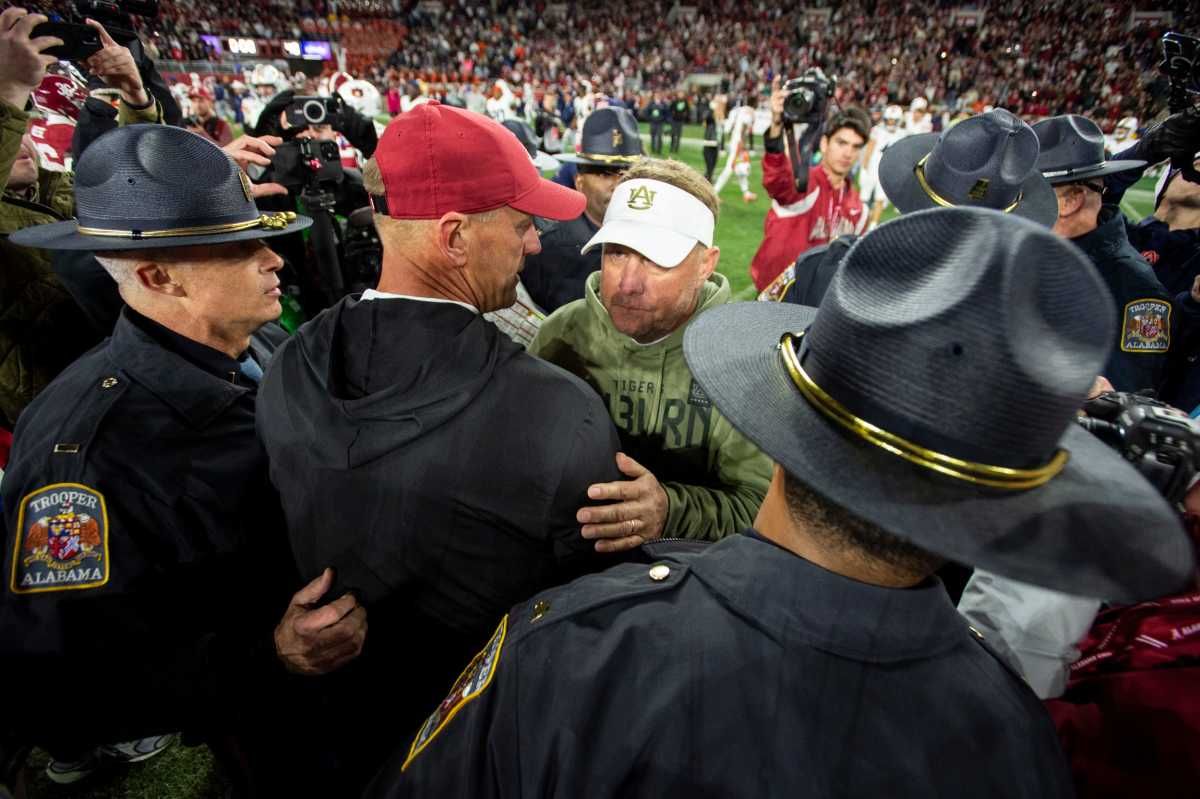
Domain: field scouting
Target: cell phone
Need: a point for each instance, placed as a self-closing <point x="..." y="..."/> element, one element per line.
<point x="80" y="42"/>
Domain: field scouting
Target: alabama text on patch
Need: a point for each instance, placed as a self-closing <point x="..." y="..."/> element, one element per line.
<point x="61" y="540"/>
<point x="1146" y="326"/>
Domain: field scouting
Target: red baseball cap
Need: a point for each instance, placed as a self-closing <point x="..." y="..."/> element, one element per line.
<point x="201" y="91"/>
<point x="435" y="159"/>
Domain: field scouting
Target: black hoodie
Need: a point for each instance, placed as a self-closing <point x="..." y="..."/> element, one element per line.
<point x="438" y="468"/>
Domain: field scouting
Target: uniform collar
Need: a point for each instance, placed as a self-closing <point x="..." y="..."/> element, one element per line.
<point x="796" y="599"/>
<point x="196" y="392"/>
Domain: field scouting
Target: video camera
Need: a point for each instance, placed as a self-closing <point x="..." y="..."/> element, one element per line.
<point x="1161" y="442"/>
<point x="307" y="163"/>
<point x="1181" y="65"/>
<point x="806" y="100"/>
<point x="304" y="111"/>
<point x="81" y="41"/>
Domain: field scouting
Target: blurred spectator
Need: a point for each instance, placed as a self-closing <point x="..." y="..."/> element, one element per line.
<point x="43" y="330"/>
<point x="204" y="118"/>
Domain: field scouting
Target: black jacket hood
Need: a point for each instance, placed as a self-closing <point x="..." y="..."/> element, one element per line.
<point x="366" y="377"/>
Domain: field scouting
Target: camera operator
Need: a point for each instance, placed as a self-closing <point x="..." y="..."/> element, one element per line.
<point x="330" y="192"/>
<point x="43" y="330"/>
<point x="204" y="120"/>
<point x="829" y="208"/>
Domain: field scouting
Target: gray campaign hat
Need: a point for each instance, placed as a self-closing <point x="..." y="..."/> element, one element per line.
<point x="1073" y="150"/>
<point x="986" y="161"/>
<point x="934" y="393"/>
<point x="153" y="186"/>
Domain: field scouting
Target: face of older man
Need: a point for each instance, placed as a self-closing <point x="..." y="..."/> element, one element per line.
<point x="646" y="301"/>
<point x="230" y="287"/>
<point x="498" y="249"/>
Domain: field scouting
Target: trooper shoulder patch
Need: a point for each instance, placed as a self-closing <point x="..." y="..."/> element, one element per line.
<point x="1146" y="326"/>
<point x="470" y="684"/>
<point x="61" y="541"/>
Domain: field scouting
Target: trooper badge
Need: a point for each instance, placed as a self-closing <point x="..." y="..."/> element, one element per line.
<point x="61" y="542"/>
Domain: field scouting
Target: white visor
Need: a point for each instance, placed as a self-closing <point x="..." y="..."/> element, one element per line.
<point x="661" y="221"/>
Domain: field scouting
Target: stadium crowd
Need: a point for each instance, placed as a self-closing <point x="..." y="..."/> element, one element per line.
<point x="315" y="390"/>
<point x="1017" y="57"/>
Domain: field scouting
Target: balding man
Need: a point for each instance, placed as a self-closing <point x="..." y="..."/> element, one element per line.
<point x="145" y="560"/>
<point x="419" y="450"/>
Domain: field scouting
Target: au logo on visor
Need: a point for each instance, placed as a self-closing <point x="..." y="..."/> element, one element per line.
<point x="641" y="198"/>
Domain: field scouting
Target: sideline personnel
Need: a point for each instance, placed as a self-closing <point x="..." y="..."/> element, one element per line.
<point x="145" y="559"/>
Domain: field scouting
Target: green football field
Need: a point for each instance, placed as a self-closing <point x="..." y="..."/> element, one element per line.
<point x="187" y="772"/>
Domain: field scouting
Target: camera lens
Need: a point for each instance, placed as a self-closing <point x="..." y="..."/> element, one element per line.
<point x="798" y="103"/>
<point x="314" y="112"/>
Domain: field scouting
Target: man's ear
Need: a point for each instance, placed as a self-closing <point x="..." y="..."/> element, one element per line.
<point x="1071" y="201"/>
<point x="709" y="261"/>
<point x="157" y="278"/>
<point x="450" y="239"/>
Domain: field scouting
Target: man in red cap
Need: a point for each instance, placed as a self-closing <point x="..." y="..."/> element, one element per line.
<point x="204" y="119"/>
<point x="436" y="463"/>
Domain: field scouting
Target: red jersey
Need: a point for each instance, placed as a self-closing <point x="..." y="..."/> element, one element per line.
<point x="797" y="223"/>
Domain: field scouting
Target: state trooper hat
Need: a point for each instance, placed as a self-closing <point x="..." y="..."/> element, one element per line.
<point x="934" y="394"/>
<point x="153" y="186"/>
<point x="610" y="138"/>
<point x="1073" y="150"/>
<point x="986" y="161"/>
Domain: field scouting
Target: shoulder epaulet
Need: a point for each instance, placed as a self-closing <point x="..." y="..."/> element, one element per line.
<point x="624" y="583"/>
<point x="997" y="655"/>
<point x="544" y="226"/>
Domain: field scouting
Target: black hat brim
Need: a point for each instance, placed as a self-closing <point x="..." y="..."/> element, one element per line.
<point x="1098" y="171"/>
<point x="1038" y="201"/>
<point x="570" y="158"/>
<point x="1097" y="529"/>
<point x="66" y="236"/>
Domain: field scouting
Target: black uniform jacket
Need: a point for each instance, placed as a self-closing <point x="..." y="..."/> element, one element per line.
<point x="438" y="468"/>
<point x="814" y="272"/>
<point x="557" y="274"/>
<point x="739" y="671"/>
<point x="1144" y="314"/>
<point x="145" y="563"/>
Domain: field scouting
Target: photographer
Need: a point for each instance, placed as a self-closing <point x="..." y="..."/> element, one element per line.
<point x="42" y="329"/>
<point x="328" y="192"/>
<point x="829" y="208"/>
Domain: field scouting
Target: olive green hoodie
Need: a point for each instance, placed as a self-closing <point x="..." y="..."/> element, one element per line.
<point x="714" y="478"/>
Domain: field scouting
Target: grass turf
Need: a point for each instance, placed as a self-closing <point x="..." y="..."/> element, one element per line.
<point x="188" y="773"/>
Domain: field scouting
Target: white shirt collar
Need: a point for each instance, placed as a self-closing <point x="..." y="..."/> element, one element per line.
<point x="372" y="294"/>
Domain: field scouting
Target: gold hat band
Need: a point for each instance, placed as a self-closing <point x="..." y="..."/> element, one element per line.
<point x="919" y="171"/>
<point x="967" y="471"/>
<point x="612" y="159"/>
<point x="270" y="221"/>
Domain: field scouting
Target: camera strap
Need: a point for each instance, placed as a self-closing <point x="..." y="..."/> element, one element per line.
<point x="800" y="153"/>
